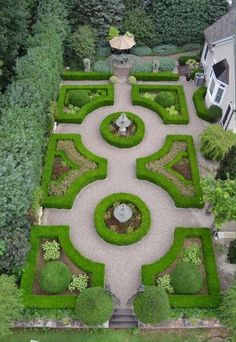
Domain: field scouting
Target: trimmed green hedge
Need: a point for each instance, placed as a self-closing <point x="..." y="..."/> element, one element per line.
<point x="137" y="99"/>
<point x="99" y="101"/>
<point x="200" y="106"/>
<point x="149" y="272"/>
<point x="66" y="201"/>
<point x="121" y="141"/>
<point x="180" y="200"/>
<point x="156" y="76"/>
<point x="62" y="233"/>
<point x="121" y="239"/>
<point x="81" y="75"/>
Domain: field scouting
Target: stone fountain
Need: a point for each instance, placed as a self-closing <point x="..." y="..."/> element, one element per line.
<point x="123" y="123"/>
<point x="123" y="213"/>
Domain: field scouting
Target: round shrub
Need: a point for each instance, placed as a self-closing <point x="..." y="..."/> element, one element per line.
<point x="165" y="99"/>
<point x="55" y="277"/>
<point x="78" y="98"/>
<point x="132" y="80"/>
<point x="113" y="79"/>
<point x="215" y="113"/>
<point x="186" y="279"/>
<point x="94" y="306"/>
<point x="152" y="306"/>
<point x="142" y="51"/>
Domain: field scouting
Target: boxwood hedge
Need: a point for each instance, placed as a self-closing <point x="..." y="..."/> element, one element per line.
<point x="137" y="99"/>
<point x="121" y="141"/>
<point x="121" y="239"/>
<point x="62" y="233"/>
<point x="200" y="106"/>
<point x="66" y="201"/>
<point x="156" y="76"/>
<point x="211" y="300"/>
<point x="81" y="75"/>
<point x="97" y="102"/>
<point x="180" y="200"/>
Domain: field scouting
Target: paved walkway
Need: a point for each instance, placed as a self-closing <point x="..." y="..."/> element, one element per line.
<point x="123" y="263"/>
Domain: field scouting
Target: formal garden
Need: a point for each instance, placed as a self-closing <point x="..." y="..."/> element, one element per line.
<point x="115" y="176"/>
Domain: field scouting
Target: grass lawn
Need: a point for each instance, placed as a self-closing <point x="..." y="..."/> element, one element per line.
<point x="109" y="336"/>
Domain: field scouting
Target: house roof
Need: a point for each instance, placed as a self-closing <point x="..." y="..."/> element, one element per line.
<point x="221" y="29"/>
<point x="221" y="70"/>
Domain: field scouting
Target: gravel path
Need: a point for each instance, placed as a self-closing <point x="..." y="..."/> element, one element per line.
<point x="123" y="263"/>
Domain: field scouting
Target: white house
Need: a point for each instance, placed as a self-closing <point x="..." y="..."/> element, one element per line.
<point x="218" y="60"/>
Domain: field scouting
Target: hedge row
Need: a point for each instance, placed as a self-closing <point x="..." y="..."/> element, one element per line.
<point x="199" y="103"/>
<point x="121" y="239"/>
<point x="62" y="233"/>
<point x="97" y="102"/>
<point x="149" y="272"/>
<point x="81" y="75"/>
<point x="66" y="201"/>
<point x="156" y="76"/>
<point x="137" y="99"/>
<point x="119" y="141"/>
<point x="180" y="200"/>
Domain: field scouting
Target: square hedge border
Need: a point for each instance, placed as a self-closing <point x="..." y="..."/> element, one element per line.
<point x="66" y="201"/>
<point x="148" y="272"/>
<point x="82" y="75"/>
<point x="62" y="233"/>
<point x="156" y="76"/>
<point x="200" y="106"/>
<point x="162" y="181"/>
<point x="164" y="115"/>
<point x="96" y="103"/>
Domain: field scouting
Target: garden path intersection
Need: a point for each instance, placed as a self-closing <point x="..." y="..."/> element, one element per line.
<point x="123" y="263"/>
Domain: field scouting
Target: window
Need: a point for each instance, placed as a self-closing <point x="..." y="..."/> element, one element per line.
<point x="226" y="116"/>
<point x="212" y="86"/>
<point x="206" y="53"/>
<point x="219" y="95"/>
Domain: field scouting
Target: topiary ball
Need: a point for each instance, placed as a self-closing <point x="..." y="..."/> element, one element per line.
<point x="165" y="99"/>
<point x="55" y="277"/>
<point x="94" y="306"/>
<point x="186" y="279"/>
<point x="113" y="79"/>
<point x="132" y="80"/>
<point x="78" y="98"/>
<point x="152" y="306"/>
<point x="215" y="113"/>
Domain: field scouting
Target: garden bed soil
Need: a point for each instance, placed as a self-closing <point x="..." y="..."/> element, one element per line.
<point x="130" y="131"/>
<point x="183" y="167"/>
<point x="121" y="228"/>
<point x="63" y="258"/>
<point x="59" y="168"/>
<point x="169" y="270"/>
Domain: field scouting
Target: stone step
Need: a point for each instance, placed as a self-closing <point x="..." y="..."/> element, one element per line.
<point x="122" y="325"/>
<point x="119" y="318"/>
<point x="226" y="235"/>
<point x="123" y="312"/>
<point x="123" y="318"/>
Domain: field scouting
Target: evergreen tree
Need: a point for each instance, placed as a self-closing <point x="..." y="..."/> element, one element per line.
<point x="227" y="166"/>
<point x="215" y="10"/>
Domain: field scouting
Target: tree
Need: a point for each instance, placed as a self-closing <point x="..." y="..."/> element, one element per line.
<point x="227" y="168"/>
<point x="142" y="26"/>
<point x="11" y="304"/>
<point x="215" y="9"/>
<point x="113" y="32"/>
<point x="228" y="307"/>
<point x="221" y="195"/>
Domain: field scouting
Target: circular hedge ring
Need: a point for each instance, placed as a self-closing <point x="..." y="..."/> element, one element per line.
<point x="121" y="239"/>
<point x="122" y="141"/>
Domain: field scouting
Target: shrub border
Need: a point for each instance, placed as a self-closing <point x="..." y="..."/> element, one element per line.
<point x="66" y="201"/>
<point x="82" y="75"/>
<point x="62" y="233"/>
<point x="200" y="106"/>
<point x="158" y="179"/>
<point x="148" y="272"/>
<point x="164" y="115"/>
<point x="121" y="239"/>
<point x="123" y="142"/>
<point x="156" y="76"/>
<point x="96" y="103"/>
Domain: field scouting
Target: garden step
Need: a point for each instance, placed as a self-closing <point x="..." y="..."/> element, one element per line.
<point x="123" y="318"/>
<point x="123" y="325"/>
<point x="123" y="312"/>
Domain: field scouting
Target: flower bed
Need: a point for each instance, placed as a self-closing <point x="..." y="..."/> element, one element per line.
<point x="34" y="296"/>
<point x="110" y="133"/>
<point x="69" y="166"/>
<point x="206" y="298"/>
<point x="122" y="234"/>
<point x="138" y="99"/>
<point x="100" y="95"/>
<point x="175" y="169"/>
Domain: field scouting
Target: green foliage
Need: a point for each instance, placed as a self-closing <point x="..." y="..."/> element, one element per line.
<point x="164" y="283"/>
<point x="121" y="239"/>
<point x="165" y="99"/>
<point x="113" y="32"/>
<point x="62" y="234"/>
<point x="227" y="168"/>
<point x="172" y="111"/>
<point x="232" y="252"/>
<point x="36" y="204"/>
<point x="164" y="50"/>
<point x="152" y="306"/>
<point x="94" y="306"/>
<point x="142" y="66"/>
<point x="166" y="64"/>
<point x="142" y="25"/>
<point x="119" y="141"/>
<point x="2" y="248"/>
<point x="216" y="142"/>
<point x="215" y="9"/>
<point x="113" y="79"/>
<point x="192" y="255"/>
<point x="215" y="112"/>
<point x="228" y="307"/>
<point x="55" y="277"/>
<point x="141" y="51"/>
<point x="78" y="97"/>
<point x="186" y="279"/>
<point x="79" y="283"/>
<point x="220" y="194"/>
<point x="200" y="106"/>
<point x="157" y="76"/>
<point x="103" y="51"/>
<point x="184" y="59"/>
<point x="11" y="306"/>
<point x="132" y="80"/>
<point x="51" y="250"/>
<point x="102" y="67"/>
<point x="81" y="75"/>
